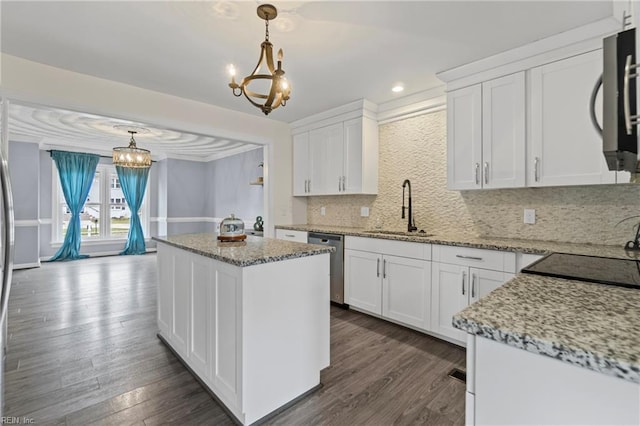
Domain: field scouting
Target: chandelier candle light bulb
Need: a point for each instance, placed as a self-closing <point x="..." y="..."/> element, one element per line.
<point x="279" y="89"/>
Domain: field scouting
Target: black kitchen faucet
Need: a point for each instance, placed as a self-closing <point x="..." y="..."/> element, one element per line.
<point x="410" y="223"/>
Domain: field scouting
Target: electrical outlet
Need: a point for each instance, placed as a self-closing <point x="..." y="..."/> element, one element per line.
<point x="323" y="211"/>
<point x="364" y="211"/>
<point x="529" y="216"/>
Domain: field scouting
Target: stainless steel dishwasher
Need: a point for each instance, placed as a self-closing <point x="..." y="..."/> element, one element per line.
<point x="337" y="263"/>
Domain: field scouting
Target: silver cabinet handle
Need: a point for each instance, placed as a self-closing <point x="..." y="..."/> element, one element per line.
<point x="339" y="183"/>
<point x="305" y="186"/>
<point x="468" y="257"/>
<point x="477" y="176"/>
<point x="463" y="277"/>
<point x="384" y="268"/>
<point x="536" y="175"/>
<point x="486" y="173"/>
<point x="473" y="285"/>
<point x="344" y="186"/>
<point x="629" y="120"/>
<point x="378" y="268"/>
<point x="309" y="185"/>
<point x="289" y="235"/>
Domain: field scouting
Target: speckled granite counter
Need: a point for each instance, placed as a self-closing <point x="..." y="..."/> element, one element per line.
<point x="590" y="325"/>
<point x="506" y="244"/>
<point x="252" y="251"/>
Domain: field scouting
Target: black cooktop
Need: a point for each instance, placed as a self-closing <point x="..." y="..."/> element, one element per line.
<point x="603" y="270"/>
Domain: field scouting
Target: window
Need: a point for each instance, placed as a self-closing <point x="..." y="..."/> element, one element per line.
<point x="105" y="215"/>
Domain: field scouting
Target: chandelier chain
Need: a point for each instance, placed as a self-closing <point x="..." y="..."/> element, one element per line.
<point x="266" y="31"/>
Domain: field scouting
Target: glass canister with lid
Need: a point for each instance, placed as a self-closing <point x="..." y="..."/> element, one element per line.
<point x="231" y="229"/>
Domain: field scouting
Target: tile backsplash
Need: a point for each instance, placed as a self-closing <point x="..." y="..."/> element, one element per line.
<point x="415" y="149"/>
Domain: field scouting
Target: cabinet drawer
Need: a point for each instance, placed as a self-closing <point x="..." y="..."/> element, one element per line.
<point x="389" y="247"/>
<point x="476" y="258"/>
<point x="291" y="235"/>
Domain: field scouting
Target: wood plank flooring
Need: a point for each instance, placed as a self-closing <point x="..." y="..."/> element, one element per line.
<point x="83" y="350"/>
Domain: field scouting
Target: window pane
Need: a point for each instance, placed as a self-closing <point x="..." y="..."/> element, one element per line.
<point x="90" y="221"/>
<point x="65" y="215"/>
<point x="120" y="215"/>
<point x="94" y="193"/>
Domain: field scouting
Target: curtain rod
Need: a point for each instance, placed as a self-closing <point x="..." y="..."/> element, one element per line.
<point x="101" y="156"/>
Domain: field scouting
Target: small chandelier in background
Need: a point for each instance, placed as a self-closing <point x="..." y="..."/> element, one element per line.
<point x="131" y="156"/>
<point x="279" y="89"/>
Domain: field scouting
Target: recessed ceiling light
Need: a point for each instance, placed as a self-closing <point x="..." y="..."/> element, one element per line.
<point x="397" y="88"/>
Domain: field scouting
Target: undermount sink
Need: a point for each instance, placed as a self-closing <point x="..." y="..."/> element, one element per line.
<point x="400" y="233"/>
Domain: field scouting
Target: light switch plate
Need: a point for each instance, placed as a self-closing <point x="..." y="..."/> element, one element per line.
<point x="530" y="216"/>
<point x="323" y="211"/>
<point x="364" y="211"/>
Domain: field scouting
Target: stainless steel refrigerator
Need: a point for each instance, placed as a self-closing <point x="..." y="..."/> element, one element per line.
<point x="6" y="239"/>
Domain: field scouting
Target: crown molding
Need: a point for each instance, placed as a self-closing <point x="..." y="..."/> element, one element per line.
<point x="424" y="102"/>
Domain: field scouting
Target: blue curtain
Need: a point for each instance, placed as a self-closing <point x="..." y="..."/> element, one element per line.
<point x="133" y="182"/>
<point x="76" y="171"/>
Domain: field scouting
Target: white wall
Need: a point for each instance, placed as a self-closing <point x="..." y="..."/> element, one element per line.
<point x="29" y="81"/>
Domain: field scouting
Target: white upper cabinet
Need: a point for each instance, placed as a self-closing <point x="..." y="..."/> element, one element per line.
<point x="565" y="148"/>
<point x="503" y="132"/>
<point x="486" y="134"/>
<point x="464" y="137"/>
<point x="340" y="156"/>
<point x="301" y="175"/>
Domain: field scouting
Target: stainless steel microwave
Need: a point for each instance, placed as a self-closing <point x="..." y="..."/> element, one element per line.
<point x="619" y="111"/>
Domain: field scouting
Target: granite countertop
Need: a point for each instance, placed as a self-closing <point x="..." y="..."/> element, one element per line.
<point x="466" y="240"/>
<point x="591" y="325"/>
<point x="252" y="251"/>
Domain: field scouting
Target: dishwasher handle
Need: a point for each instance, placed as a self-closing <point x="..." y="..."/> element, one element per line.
<point x="325" y="238"/>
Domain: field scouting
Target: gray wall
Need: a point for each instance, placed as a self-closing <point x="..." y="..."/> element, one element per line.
<point x="25" y="176"/>
<point x="230" y="189"/>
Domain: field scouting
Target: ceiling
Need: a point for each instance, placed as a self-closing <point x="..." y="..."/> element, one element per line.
<point x="57" y="128"/>
<point x="335" y="52"/>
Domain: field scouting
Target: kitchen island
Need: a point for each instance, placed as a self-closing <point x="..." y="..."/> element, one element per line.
<point x="543" y="350"/>
<point x="250" y="319"/>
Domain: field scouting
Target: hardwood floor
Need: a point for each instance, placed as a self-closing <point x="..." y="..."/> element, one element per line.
<point x="82" y="349"/>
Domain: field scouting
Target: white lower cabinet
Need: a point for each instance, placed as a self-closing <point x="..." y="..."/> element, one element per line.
<point x="232" y="326"/>
<point x="511" y="386"/>
<point x="197" y="311"/>
<point x="387" y="285"/>
<point x="362" y="278"/>
<point x="457" y="285"/>
<point x="406" y="291"/>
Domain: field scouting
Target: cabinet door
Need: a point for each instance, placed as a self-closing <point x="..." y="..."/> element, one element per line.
<point x="503" y="132"/>
<point x="566" y="149"/>
<point x="484" y="282"/>
<point x="352" y="152"/>
<point x="334" y="141"/>
<point x="317" y="160"/>
<point x="363" y="280"/>
<point x="300" y="163"/>
<point x="464" y="138"/>
<point x="166" y="265"/>
<point x="406" y="291"/>
<point x="325" y="159"/>
<point x="181" y="305"/>
<point x="450" y="287"/>
<point x="200" y="316"/>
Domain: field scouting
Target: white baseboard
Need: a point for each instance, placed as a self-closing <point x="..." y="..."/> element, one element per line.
<point x="26" y="265"/>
